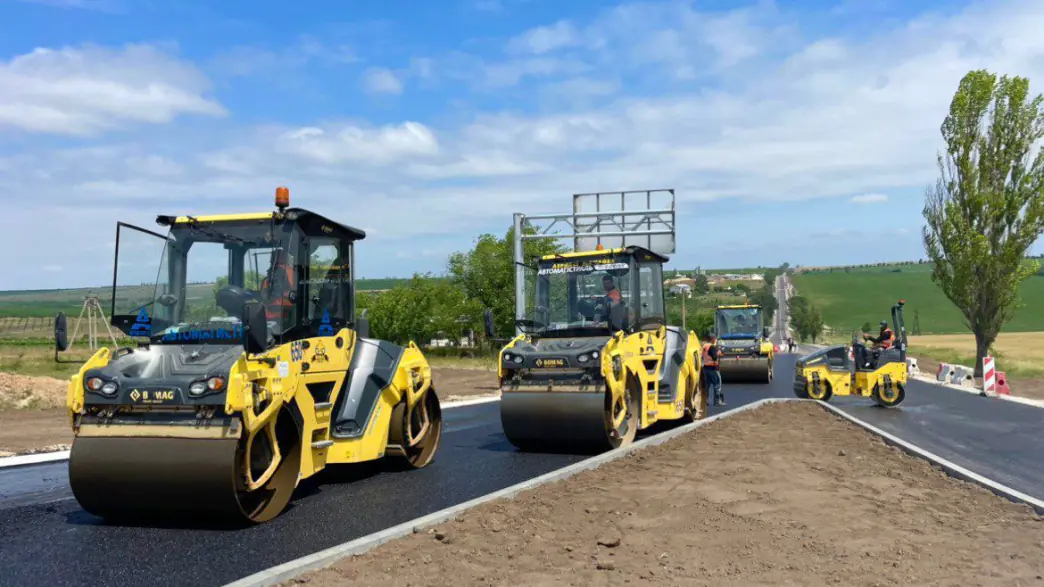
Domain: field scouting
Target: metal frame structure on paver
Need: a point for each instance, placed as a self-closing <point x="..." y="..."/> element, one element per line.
<point x="592" y="228"/>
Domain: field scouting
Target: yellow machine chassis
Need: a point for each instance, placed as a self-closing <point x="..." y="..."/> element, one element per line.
<point x="886" y="385"/>
<point x="265" y="401"/>
<point x="602" y="416"/>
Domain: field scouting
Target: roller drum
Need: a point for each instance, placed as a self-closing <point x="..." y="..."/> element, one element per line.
<point x="184" y="479"/>
<point x="573" y="420"/>
<point x="745" y="370"/>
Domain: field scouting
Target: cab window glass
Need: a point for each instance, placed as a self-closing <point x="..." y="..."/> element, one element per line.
<point x="650" y="285"/>
<point x="326" y="288"/>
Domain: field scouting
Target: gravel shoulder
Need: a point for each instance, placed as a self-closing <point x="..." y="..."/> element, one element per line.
<point x="35" y="418"/>
<point x="785" y="494"/>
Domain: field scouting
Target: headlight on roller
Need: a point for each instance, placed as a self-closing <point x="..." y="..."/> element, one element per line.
<point x="110" y="388"/>
<point x="199" y="388"/>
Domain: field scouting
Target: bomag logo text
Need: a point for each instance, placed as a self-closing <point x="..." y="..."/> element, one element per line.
<point x="550" y="362"/>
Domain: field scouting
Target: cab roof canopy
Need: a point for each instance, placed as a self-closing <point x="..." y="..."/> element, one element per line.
<point x="640" y="253"/>
<point x="311" y="221"/>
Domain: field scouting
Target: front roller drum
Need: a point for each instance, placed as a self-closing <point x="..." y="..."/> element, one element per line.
<point x="889" y="394"/>
<point x="572" y="421"/>
<point x="187" y="480"/>
<point x="745" y="370"/>
<point x="414" y="434"/>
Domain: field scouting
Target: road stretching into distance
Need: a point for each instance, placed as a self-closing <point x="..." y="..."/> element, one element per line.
<point x="47" y="539"/>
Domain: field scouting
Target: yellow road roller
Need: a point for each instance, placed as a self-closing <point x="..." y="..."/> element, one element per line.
<point x="249" y="371"/>
<point x="746" y="353"/>
<point x="880" y="374"/>
<point x="596" y="360"/>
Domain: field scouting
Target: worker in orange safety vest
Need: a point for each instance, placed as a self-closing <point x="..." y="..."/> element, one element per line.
<point x="710" y="373"/>
<point x="278" y="305"/>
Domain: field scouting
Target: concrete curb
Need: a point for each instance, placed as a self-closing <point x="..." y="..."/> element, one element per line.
<point x="952" y="469"/>
<point x="62" y="455"/>
<point x="323" y="558"/>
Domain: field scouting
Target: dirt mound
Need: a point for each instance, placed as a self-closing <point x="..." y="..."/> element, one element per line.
<point x="784" y="495"/>
<point x="24" y="392"/>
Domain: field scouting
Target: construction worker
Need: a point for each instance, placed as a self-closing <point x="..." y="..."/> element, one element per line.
<point x="611" y="292"/>
<point x="276" y="286"/>
<point x="710" y="370"/>
<point x="884" y="339"/>
<point x="882" y="342"/>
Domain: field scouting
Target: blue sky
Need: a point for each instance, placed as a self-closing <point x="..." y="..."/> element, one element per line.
<point x="792" y="131"/>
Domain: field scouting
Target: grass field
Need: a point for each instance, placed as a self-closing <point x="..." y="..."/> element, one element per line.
<point x="847" y="300"/>
<point x="1019" y="354"/>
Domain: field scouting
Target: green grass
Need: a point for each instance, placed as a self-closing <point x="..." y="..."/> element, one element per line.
<point x="847" y="300"/>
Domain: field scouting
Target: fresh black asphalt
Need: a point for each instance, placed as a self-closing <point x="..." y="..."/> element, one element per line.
<point x="46" y="539"/>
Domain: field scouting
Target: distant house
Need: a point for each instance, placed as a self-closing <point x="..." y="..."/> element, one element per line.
<point x="681" y="289"/>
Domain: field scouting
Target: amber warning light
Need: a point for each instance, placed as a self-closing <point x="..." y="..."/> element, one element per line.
<point x="282" y="197"/>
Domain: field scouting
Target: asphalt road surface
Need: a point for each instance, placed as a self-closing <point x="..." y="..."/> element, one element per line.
<point x="46" y="539"/>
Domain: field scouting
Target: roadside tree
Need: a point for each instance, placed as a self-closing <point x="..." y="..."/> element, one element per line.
<point x="987" y="208"/>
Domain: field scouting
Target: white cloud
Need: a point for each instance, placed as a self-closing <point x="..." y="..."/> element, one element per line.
<point x="869" y="199"/>
<point x="380" y="80"/>
<point x="545" y="38"/>
<point x="87" y="90"/>
<point x="386" y="144"/>
<point x="788" y="122"/>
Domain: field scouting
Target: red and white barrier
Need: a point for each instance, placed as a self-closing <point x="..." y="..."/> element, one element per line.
<point x="989" y="376"/>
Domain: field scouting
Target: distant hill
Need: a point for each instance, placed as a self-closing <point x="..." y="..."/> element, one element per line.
<point x="48" y="302"/>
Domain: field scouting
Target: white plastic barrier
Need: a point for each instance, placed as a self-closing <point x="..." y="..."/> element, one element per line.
<point x="911" y="366"/>
<point x="945" y="372"/>
<point x="962" y="376"/>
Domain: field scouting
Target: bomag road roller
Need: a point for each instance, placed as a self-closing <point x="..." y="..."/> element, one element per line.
<point x="880" y="374"/>
<point x="250" y="371"/>
<point x="596" y="362"/>
<point x="746" y="353"/>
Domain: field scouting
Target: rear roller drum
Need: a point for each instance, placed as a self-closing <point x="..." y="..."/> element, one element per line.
<point x="187" y="480"/>
<point x="819" y="390"/>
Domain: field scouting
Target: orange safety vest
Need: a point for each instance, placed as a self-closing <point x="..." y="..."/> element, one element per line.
<point x="707" y="360"/>
<point x="614" y="294"/>
<point x="280" y="301"/>
<point x="889" y="338"/>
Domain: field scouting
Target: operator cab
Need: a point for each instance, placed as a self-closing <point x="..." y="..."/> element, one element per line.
<point x="594" y="293"/>
<point x="740" y="323"/>
<point x="190" y="286"/>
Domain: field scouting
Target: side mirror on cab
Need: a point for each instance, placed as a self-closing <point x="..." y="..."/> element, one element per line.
<point x="255" y="328"/>
<point x="487" y="317"/>
<point x="362" y="326"/>
<point x="61" y="336"/>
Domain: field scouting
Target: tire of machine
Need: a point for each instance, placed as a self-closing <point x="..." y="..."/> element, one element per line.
<point x="178" y="479"/>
